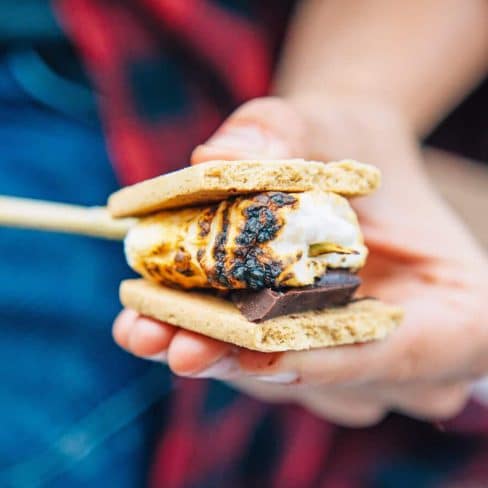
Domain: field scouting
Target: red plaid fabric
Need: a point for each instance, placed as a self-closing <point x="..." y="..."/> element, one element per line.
<point x="225" y="59"/>
<point x="167" y="72"/>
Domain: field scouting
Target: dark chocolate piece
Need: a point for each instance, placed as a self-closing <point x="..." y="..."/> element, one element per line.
<point x="333" y="288"/>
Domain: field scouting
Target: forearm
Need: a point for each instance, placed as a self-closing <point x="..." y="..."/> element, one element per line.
<point x="420" y="57"/>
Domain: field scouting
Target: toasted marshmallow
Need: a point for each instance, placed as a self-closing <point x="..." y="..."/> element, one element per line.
<point x="253" y="242"/>
<point x="320" y="217"/>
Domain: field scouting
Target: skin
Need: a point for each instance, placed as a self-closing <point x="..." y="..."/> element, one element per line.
<point x="421" y="255"/>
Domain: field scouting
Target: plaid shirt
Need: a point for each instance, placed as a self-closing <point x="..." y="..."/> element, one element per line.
<point x="167" y="72"/>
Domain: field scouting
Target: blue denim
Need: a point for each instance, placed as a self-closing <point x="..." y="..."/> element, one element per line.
<point x="75" y="410"/>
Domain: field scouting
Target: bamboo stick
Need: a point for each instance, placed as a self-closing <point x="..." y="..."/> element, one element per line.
<point x="59" y="217"/>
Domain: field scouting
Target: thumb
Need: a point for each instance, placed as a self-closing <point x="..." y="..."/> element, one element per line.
<point x="264" y="128"/>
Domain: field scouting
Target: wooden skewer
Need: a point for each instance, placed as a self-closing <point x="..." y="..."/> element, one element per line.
<point x="59" y="217"/>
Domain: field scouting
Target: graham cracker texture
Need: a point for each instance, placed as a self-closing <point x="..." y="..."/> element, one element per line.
<point x="360" y="321"/>
<point x="217" y="180"/>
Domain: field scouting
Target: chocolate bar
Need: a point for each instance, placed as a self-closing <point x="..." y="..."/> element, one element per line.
<point x="332" y="289"/>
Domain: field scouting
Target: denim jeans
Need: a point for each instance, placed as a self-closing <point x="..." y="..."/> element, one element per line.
<point x="75" y="410"/>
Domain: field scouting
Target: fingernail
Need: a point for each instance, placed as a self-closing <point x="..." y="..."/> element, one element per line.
<point x="240" y="137"/>
<point x="223" y="369"/>
<point x="160" y="357"/>
<point x="249" y="140"/>
<point x="480" y="390"/>
<point x="283" y="378"/>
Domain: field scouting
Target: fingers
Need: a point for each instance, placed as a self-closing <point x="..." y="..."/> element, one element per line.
<point x="193" y="354"/>
<point x="367" y="405"/>
<point x="425" y="348"/>
<point x="267" y="391"/>
<point x="122" y="326"/>
<point x="347" y="365"/>
<point x="187" y="353"/>
<point x="344" y="365"/>
<point x="364" y="406"/>
<point x="140" y="335"/>
<point x="409" y="356"/>
<point x="346" y="408"/>
<point x="356" y="405"/>
<point x="264" y="128"/>
<point x="150" y="337"/>
<point x="350" y="408"/>
<point x="427" y="402"/>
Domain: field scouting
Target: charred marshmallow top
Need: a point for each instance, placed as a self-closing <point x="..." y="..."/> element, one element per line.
<point x="270" y="240"/>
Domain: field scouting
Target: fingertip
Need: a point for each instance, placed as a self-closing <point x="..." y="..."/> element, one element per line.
<point x="196" y="155"/>
<point x="265" y="128"/>
<point x="122" y="326"/>
<point x="149" y="337"/>
<point x="208" y="152"/>
<point x="190" y="353"/>
<point x="200" y="154"/>
<point x="344" y="410"/>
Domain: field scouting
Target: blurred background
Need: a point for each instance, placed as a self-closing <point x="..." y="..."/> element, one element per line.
<point x="76" y="410"/>
<point x="463" y="183"/>
<point x="457" y="161"/>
